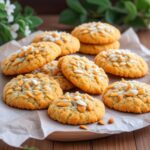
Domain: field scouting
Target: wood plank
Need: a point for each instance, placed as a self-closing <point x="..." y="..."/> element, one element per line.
<point x="39" y="144"/>
<point x="4" y="146"/>
<point x="142" y="138"/>
<point x="123" y="141"/>
<point x="84" y="145"/>
<point x="63" y="146"/>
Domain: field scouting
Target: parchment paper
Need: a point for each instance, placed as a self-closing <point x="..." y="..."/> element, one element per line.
<point x="16" y="125"/>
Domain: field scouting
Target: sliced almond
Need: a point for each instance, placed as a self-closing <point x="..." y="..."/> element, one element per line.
<point x="20" y="82"/>
<point x="83" y="127"/>
<point x="9" y="91"/>
<point x="29" y="57"/>
<point x="114" y="94"/>
<point x="26" y="85"/>
<point x="89" y="107"/>
<point x="21" y="54"/>
<point x="128" y="87"/>
<point x="55" y="35"/>
<point x="59" y="42"/>
<point x="29" y="94"/>
<point x="16" y="62"/>
<point x="85" y="31"/>
<point x="141" y="91"/>
<point x="101" y="122"/>
<point x="63" y="104"/>
<point x="81" y="108"/>
<point x="111" y="120"/>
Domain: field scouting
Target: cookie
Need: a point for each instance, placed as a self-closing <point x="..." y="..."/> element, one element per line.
<point x="94" y="49"/>
<point x="96" y="33"/>
<point x="68" y="43"/>
<point x="31" y="91"/>
<point x="84" y="74"/>
<point x="53" y="70"/>
<point x="122" y="63"/>
<point x="128" y="96"/>
<point x="29" y="58"/>
<point x="76" y="109"/>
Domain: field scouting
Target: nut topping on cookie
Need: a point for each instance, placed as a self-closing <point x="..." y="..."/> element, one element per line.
<point x="31" y="91"/>
<point x="84" y="74"/>
<point x="68" y="43"/>
<point x="76" y="108"/>
<point x="122" y="63"/>
<point x="128" y="96"/>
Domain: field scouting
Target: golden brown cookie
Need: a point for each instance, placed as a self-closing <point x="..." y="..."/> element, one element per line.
<point x="68" y="43"/>
<point x="122" y="63"/>
<point x="128" y="96"/>
<point x="52" y="70"/>
<point x="96" y="33"/>
<point x="31" y="91"/>
<point x="94" y="49"/>
<point x="29" y="58"/>
<point x="84" y="74"/>
<point x="76" y="109"/>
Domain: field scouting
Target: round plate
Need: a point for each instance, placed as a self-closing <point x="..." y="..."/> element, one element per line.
<point x="74" y="136"/>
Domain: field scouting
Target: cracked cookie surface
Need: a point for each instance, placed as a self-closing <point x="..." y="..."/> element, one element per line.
<point x="96" y="33"/>
<point x="84" y="74"/>
<point x="30" y="57"/>
<point x="68" y="43"/>
<point x="128" y="96"/>
<point x="122" y="63"/>
<point x="94" y="49"/>
<point x="31" y="91"/>
<point x="52" y="70"/>
<point x="76" y="108"/>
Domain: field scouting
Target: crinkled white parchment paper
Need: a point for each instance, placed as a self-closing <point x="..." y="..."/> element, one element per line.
<point x="16" y="125"/>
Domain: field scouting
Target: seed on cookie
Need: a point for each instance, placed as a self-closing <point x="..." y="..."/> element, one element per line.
<point x="52" y="70"/>
<point x="68" y="43"/>
<point x="122" y="63"/>
<point x="74" y="108"/>
<point x="96" y="33"/>
<point x="84" y="74"/>
<point x="131" y="96"/>
<point x="26" y="59"/>
<point x="25" y="96"/>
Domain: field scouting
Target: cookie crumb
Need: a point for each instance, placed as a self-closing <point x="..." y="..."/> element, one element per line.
<point x="83" y="127"/>
<point x="111" y="120"/>
<point x="101" y="122"/>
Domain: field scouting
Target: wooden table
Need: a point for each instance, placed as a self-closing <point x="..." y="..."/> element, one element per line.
<point x="137" y="140"/>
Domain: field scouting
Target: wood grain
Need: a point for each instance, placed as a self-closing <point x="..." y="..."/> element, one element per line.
<point x="137" y="140"/>
<point x="142" y="138"/>
<point x="124" y="141"/>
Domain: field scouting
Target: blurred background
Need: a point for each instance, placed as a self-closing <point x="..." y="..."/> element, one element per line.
<point x="45" y="6"/>
<point x="50" y="10"/>
<point x="19" y="18"/>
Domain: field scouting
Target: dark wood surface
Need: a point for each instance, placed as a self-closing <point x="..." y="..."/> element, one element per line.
<point x="137" y="140"/>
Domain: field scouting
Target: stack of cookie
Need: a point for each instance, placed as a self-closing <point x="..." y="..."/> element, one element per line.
<point x="96" y="37"/>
